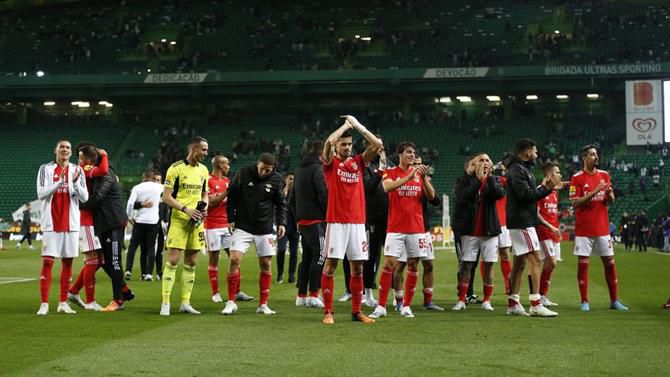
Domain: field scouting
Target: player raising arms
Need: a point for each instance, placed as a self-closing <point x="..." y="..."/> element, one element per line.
<point x="60" y="188"/>
<point x="406" y="185"/>
<point x="590" y="192"/>
<point x="345" y="216"/>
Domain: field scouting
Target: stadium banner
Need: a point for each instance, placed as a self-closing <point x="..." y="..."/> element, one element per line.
<point x="602" y="69"/>
<point x="644" y="112"/>
<point x="175" y="78"/>
<point x="455" y="73"/>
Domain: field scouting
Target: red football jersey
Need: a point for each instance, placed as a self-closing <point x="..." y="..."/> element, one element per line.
<point x="92" y="171"/>
<point x="548" y="207"/>
<point x="217" y="217"/>
<point x="405" y="210"/>
<point x="480" y="227"/>
<point x="501" y="204"/>
<point x="60" y="204"/>
<point x="346" y="194"/>
<point x="591" y="219"/>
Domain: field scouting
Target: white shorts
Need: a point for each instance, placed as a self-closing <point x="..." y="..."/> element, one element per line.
<point x="524" y="241"/>
<point x="486" y="247"/>
<point x="217" y="239"/>
<point x="504" y="239"/>
<point x="88" y="241"/>
<point x="550" y="248"/>
<point x="587" y="246"/>
<point x="412" y="245"/>
<point x="60" y="244"/>
<point x="346" y="239"/>
<point x="428" y="247"/>
<point x="241" y="240"/>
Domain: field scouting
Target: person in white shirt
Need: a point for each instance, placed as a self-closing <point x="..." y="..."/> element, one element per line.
<point x="145" y="223"/>
<point x="60" y="188"/>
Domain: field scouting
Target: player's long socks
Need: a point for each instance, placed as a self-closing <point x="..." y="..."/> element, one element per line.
<point x="187" y="282"/>
<point x="45" y="278"/>
<point x="534" y="299"/>
<point x="583" y="277"/>
<point x="410" y="287"/>
<point x="327" y="286"/>
<point x="488" y="292"/>
<point x="427" y="295"/>
<point x="506" y="269"/>
<point x="90" y="267"/>
<point x="314" y="294"/>
<point x="356" y="285"/>
<point x="463" y="289"/>
<point x="611" y="278"/>
<point x="545" y="279"/>
<point x="233" y="284"/>
<point x="264" y="282"/>
<point x="399" y="294"/>
<point x="481" y="271"/>
<point x="169" y="276"/>
<point x="385" y="283"/>
<point x="213" y="272"/>
<point x="79" y="281"/>
<point x="65" y="276"/>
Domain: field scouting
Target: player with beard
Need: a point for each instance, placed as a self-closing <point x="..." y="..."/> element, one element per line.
<point x="345" y="216"/>
<point x="590" y="193"/>
<point x="522" y="196"/>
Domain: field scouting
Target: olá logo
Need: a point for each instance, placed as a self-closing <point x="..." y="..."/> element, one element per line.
<point x="644" y="125"/>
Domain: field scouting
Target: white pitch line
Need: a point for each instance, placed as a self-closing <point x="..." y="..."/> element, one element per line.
<point x="659" y="253"/>
<point x="20" y="280"/>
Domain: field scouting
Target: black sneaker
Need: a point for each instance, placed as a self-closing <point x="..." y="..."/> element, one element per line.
<point x="128" y="296"/>
<point x="291" y="279"/>
<point x="473" y="300"/>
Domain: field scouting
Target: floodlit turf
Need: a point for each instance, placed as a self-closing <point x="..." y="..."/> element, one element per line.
<point x="138" y="342"/>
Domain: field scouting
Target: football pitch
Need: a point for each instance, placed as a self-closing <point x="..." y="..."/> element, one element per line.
<point x="139" y="342"/>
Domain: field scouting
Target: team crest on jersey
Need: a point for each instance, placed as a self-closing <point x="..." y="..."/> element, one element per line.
<point x="573" y="190"/>
<point x="417" y="179"/>
<point x="217" y="187"/>
<point x="268" y="187"/>
<point x="354" y="166"/>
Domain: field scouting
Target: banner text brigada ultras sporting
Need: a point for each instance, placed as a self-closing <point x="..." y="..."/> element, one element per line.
<point x="609" y="69"/>
<point x="175" y="78"/>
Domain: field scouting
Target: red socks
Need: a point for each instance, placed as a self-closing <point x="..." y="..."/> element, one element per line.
<point x="611" y="278"/>
<point x="463" y="289"/>
<point x="79" y="282"/>
<point x="356" y="284"/>
<point x="583" y="277"/>
<point x="264" y="282"/>
<point x="410" y="287"/>
<point x="488" y="292"/>
<point x="545" y="280"/>
<point x="506" y="269"/>
<point x="327" y="292"/>
<point x="45" y="278"/>
<point x="213" y="272"/>
<point x="233" y="284"/>
<point x="385" y="283"/>
<point x="312" y="294"/>
<point x="88" y="272"/>
<point x="65" y="276"/>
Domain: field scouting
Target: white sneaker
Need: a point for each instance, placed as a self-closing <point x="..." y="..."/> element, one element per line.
<point x="345" y="297"/>
<point x="486" y="305"/>
<point x="460" y="305"/>
<point x="301" y="301"/>
<point x="127" y="275"/>
<point x="370" y="302"/>
<point x="63" y="307"/>
<point x="264" y="309"/>
<point x="165" y="309"/>
<point x="379" y="312"/>
<point x="517" y="310"/>
<point x="75" y="299"/>
<point x="148" y="277"/>
<point x="315" y="302"/>
<point x="44" y="309"/>
<point x="241" y="296"/>
<point x="93" y="306"/>
<point x="187" y="308"/>
<point x="541" y="311"/>
<point x="231" y="307"/>
<point x="546" y="302"/>
<point x="31" y="247"/>
<point x="217" y="298"/>
<point x="406" y="312"/>
<point x="18" y="245"/>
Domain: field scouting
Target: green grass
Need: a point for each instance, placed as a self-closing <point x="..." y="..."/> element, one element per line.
<point x="138" y="342"/>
